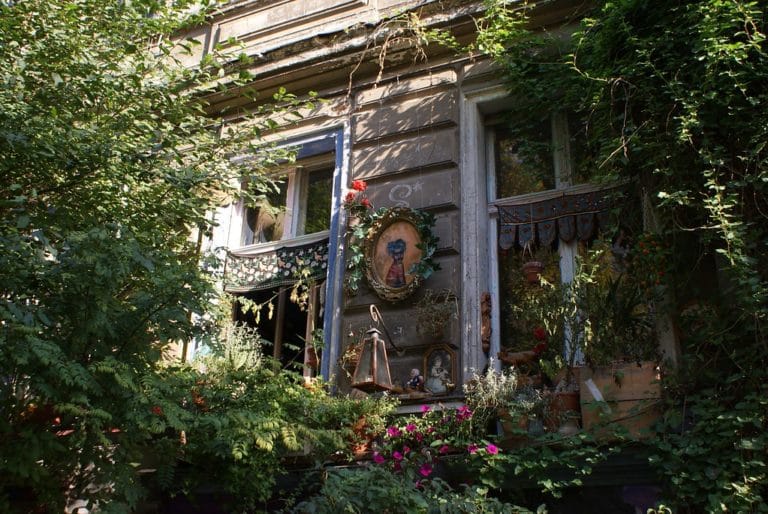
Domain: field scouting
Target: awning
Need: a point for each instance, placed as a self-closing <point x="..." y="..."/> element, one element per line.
<point x="569" y="216"/>
<point x="283" y="266"/>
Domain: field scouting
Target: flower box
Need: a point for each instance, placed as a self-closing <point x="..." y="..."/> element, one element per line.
<point x="623" y="394"/>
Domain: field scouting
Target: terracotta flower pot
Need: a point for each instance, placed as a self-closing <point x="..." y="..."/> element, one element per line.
<point x="532" y="271"/>
<point x="564" y="412"/>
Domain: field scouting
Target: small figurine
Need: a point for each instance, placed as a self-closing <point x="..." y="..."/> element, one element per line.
<point x="416" y="381"/>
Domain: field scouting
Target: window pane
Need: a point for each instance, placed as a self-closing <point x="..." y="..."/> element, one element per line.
<point x="318" y="216"/>
<point x="266" y="218"/>
<point x="524" y="160"/>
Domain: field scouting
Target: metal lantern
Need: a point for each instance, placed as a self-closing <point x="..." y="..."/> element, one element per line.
<point x="372" y="371"/>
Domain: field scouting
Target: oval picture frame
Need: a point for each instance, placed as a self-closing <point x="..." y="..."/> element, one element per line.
<point x="397" y="252"/>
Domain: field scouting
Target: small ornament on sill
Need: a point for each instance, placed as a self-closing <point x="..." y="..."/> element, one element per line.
<point x="415" y="381"/>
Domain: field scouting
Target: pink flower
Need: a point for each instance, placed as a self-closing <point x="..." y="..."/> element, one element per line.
<point x="425" y="409"/>
<point x="359" y="185"/>
<point x="419" y="436"/>
<point x="378" y="458"/>
<point x="397" y="467"/>
<point x="425" y="470"/>
<point x="472" y="449"/>
<point x="394" y="432"/>
<point x="399" y="456"/>
<point x="443" y="449"/>
<point x="417" y="484"/>
<point x="406" y="450"/>
<point x="463" y="413"/>
<point x="492" y="449"/>
<point x="410" y="427"/>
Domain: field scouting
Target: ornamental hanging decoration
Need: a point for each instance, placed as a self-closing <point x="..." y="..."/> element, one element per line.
<point x="283" y="266"/>
<point x="569" y="216"/>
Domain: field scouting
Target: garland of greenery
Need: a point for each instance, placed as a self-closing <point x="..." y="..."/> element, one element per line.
<point x="365" y="226"/>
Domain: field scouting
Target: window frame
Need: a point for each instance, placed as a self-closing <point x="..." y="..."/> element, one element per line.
<point x="313" y="149"/>
<point x="480" y="217"/>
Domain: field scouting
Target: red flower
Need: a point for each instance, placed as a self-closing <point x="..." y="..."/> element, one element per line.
<point x="365" y="202"/>
<point x="539" y="348"/>
<point x="157" y="410"/>
<point x="359" y="185"/>
<point x="539" y="334"/>
<point x="350" y="197"/>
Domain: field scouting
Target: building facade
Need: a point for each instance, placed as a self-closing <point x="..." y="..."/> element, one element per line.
<point x="423" y="127"/>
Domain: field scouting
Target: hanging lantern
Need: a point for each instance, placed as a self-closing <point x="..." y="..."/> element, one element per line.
<point x="372" y="371"/>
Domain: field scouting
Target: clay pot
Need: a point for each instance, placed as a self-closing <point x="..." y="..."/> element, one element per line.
<point x="532" y="271"/>
<point x="564" y="412"/>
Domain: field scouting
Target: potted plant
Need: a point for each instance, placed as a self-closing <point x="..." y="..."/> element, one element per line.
<point x="534" y="260"/>
<point x="518" y="405"/>
<point x="620" y="344"/>
<point x="434" y="312"/>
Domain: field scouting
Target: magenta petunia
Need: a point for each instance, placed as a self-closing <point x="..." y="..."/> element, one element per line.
<point x="492" y="449"/>
<point x="406" y="450"/>
<point x="378" y="458"/>
<point x="410" y="427"/>
<point x="425" y="470"/>
<point x="472" y="449"/>
<point x="463" y="413"/>
<point x="425" y="408"/>
<point x="398" y="456"/>
<point x="444" y="448"/>
<point x="393" y="432"/>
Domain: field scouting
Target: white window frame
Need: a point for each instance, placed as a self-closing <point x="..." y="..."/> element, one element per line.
<point x="296" y="197"/>
<point x="480" y="219"/>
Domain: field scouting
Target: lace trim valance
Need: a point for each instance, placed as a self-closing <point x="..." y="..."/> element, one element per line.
<point x="568" y="216"/>
<point x="281" y="267"/>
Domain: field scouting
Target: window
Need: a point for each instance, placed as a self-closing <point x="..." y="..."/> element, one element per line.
<point x="284" y="265"/>
<point x="530" y="172"/>
<point x="300" y="204"/>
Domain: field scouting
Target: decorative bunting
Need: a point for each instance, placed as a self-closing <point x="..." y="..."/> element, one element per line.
<point x="281" y="267"/>
<point x="570" y="216"/>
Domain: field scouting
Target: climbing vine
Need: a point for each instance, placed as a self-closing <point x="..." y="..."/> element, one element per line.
<point x="671" y="99"/>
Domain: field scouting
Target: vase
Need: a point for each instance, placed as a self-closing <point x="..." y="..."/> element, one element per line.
<point x="515" y="429"/>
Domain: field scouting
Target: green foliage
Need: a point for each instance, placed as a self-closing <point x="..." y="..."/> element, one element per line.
<point x="232" y="422"/>
<point x="671" y="99"/>
<point x="108" y="162"/>
<point x="376" y="489"/>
